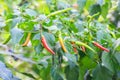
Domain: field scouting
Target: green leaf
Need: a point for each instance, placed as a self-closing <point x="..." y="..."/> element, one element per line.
<point x="36" y="37"/>
<point x="30" y="12"/>
<point x="101" y="73"/>
<point x="38" y="47"/>
<point x="81" y="4"/>
<point x="72" y="73"/>
<point x="105" y="8"/>
<point x="79" y="25"/>
<point x="94" y="9"/>
<point x="71" y="57"/>
<point x="16" y="35"/>
<point x="103" y="35"/>
<point x="108" y="62"/>
<point x="117" y="56"/>
<point x="55" y="73"/>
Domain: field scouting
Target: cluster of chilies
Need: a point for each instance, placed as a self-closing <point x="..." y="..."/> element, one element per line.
<point x="45" y="45"/>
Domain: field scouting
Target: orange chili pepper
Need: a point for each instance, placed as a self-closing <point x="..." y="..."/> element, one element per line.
<point x="27" y="40"/>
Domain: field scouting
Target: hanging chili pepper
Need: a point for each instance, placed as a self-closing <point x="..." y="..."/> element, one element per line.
<point x="74" y="48"/>
<point x="83" y="44"/>
<point x="61" y="42"/>
<point x="100" y="46"/>
<point x="83" y="48"/>
<point x="27" y="40"/>
<point x="44" y="42"/>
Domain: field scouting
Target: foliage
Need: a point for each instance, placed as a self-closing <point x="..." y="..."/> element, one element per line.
<point x="71" y="23"/>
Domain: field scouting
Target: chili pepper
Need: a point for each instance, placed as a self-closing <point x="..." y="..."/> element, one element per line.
<point x="83" y="44"/>
<point x="83" y="48"/>
<point x="100" y="46"/>
<point x="27" y="40"/>
<point x="74" y="48"/>
<point x="61" y="42"/>
<point x="44" y="42"/>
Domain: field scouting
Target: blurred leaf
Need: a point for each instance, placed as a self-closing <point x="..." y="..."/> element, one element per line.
<point x="72" y="73"/>
<point x="108" y="62"/>
<point x="44" y="61"/>
<point x="15" y="21"/>
<point x="116" y="44"/>
<point x="31" y="12"/>
<point x="105" y="10"/>
<point x="94" y="9"/>
<point x="89" y="3"/>
<point x="71" y="58"/>
<point x="37" y="37"/>
<point x="16" y="35"/>
<point x="5" y="73"/>
<point x="56" y="75"/>
<point x="79" y="25"/>
<point x="38" y="47"/>
<point x="117" y="56"/>
<point x="103" y="35"/>
<point x="81" y="4"/>
<point x="101" y="73"/>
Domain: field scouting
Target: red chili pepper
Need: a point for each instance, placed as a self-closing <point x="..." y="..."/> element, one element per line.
<point x="44" y="42"/>
<point x="83" y="48"/>
<point x="100" y="46"/>
<point x="74" y="48"/>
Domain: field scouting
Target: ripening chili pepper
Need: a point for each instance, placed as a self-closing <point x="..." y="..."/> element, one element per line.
<point x="62" y="43"/>
<point x="74" y="48"/>
<point x="83" y="48"/>
<point x="27" y="40"/>
<point x="100" y="46"/>
<point x="44" y="42"/>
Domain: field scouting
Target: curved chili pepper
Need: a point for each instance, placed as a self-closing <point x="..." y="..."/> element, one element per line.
<point x="61" y="43"/>
<point x="83" y="48"/>
<point x="27" y="40"/>
<point x="83" y="44"/>
<point x="100" y="46"/>
<point x="44" y="42"/>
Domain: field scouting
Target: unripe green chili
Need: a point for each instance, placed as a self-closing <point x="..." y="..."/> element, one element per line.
<point x="83" y="44"/>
